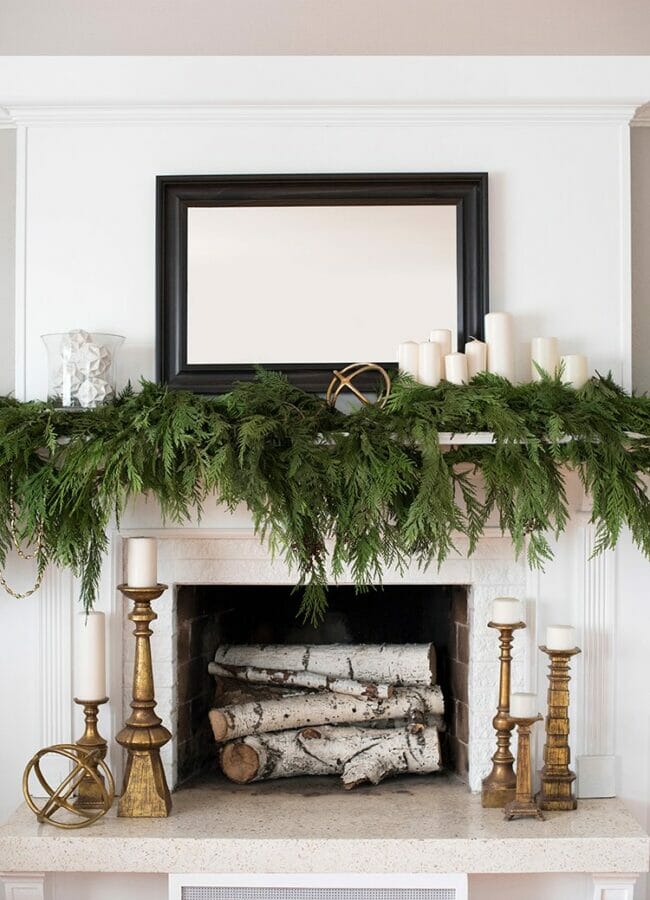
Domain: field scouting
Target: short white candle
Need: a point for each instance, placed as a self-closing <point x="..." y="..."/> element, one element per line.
<point x="476" y="353"/>
<point x="500" y="339"/>
<point x="543" y="351"/>
<point x="506" y="611"/>
<point x="142" y="562"/>
<point x="429" y="363"/>
<point x="575" y="370"/>
<point x="560" y="637"/>
<point x="456" y="368"/>
<point x="90" y="656"/>
<point x="523" y="706"/>
<point x="442" y="336"/>
<point x="407" y="358"/>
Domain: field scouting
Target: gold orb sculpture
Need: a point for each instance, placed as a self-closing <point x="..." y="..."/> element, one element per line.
<point x="344" y="380"/>
<point x="56" y="806"/>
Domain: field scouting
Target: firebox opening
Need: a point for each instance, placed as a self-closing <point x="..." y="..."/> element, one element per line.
<point x="208" y="615"/>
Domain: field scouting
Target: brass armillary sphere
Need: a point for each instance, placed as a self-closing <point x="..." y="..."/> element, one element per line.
<point x="84" y="764"/>
<point x="343" y="380"/>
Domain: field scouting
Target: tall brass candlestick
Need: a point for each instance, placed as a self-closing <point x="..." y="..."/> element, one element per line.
<point x="145" y="792"/>
<point x="498" y="788"/>
<point x="523" y="805"/>
<point x="89" y="793"/>
<point x="557" y="778"/>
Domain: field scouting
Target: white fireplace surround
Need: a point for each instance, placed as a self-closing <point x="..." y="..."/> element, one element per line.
<point x="231" y="558"/>
<point x="235" y="556"/>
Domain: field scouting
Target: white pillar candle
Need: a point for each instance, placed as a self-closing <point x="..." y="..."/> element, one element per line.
<point x="429" y="363"/>
<point x="543" y="351"/>
<point x="560" y="637"/>
<point x="476" y="353"/>
<point x="523" y="706"/>
<point x="90" y="656"/>
<point x="407" y="358"/>
<point x="442" y="336"/>
<point x="142" y="562"/>
<point x="506" y="611"/>
<point x="500" y="339"/>
<point x="574" y="370"/>
<point x="456" y="368"/>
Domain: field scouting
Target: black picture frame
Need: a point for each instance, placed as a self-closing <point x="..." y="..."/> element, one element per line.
<point x="468" y="192"/>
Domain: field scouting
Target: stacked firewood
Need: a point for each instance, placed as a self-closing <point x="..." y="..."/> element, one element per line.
<point x="361" y="711"/>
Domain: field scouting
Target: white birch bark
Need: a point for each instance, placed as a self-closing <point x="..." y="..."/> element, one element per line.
<point x="397" y="664"/>
<point x="356" y="753"/>
<point x="413" y="703"/>
<point x="312" y="680"/>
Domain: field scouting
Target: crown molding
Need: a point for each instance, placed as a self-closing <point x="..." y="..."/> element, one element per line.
<point x="322" y="114"/>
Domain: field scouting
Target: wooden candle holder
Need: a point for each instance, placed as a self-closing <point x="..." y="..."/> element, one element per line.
<point x="498" y="788"/>
<point x="523" y="805"/>
<point x="89" y="792"/>
<point x="145" y="792"/>
<point x="556" y="791"/>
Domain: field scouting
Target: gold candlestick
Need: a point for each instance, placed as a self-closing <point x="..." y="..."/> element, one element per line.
<point x="557" y="778"/>
<point x="89" y="792"/>
<point x="498" y="788"/>
<point x="523" y="805"/>
<point x="145" y="792"/>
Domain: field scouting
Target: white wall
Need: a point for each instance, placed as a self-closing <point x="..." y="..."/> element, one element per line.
<point x="91" y="207"/>
<point x="558" y="252"/>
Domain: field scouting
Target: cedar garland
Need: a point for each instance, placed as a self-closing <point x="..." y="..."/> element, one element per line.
<point x="329" y="491"/>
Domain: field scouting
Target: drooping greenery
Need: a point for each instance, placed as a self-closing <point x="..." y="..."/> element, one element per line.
<point x="332" y="492"/>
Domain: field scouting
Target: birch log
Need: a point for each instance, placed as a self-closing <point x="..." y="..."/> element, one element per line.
<point x="234" y="721"/>
<point x="312" y="680"/>
<point x="397" y="664"/>
<point x="355" y="753"/>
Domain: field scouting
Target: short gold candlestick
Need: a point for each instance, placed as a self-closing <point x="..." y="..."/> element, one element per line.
<point x="557" y="778"/>
<point x="145" y="792"/>
<point x="90" y="792"/>
<point x="498" y="788"/>
<point x="523" y="806"/>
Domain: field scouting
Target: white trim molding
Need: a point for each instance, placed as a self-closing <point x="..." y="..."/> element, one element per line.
<point x="614" y="887"/>
<point x="56" y="599"/>
<point x="326" y="114"/>
<point x="20" y="272"/>
<point x="24" y="886"/>
<point x="596" y="762"/>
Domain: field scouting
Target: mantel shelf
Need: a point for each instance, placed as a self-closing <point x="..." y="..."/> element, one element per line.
<point x="417" y="824"/>
<point x="457" y="439"/>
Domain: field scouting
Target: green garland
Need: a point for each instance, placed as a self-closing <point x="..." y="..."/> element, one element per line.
<point x="374" y="484"/>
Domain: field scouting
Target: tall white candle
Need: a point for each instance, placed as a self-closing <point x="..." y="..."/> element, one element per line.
<point x="407" y="358"/>
<point x="476" y="353"/>
<point x="543" y="351"/>
<point x="142" y="562"/>
<point x="456" y="368"/>
<point x="429" y="363"/>
<point x="90" y="656"/>
<point x="442" y="336"/>
<point x="523" y="706"/>
<point x="575" y="370"/>
<point x="560" y="637"/>
<point x="506" y="611"/>
<point x="500" y="339"/>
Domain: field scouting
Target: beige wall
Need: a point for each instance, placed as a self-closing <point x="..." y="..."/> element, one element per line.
<point x="323" y="26"/>
<point x="641" y="258"/>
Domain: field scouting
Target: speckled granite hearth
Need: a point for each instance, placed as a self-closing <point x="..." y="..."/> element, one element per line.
<point x="417" y="825"/>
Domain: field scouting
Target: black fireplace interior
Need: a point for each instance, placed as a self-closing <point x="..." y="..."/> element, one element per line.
<point x="208" y="615"/>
